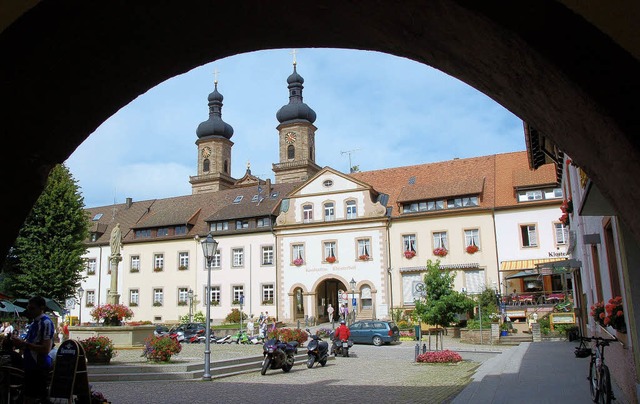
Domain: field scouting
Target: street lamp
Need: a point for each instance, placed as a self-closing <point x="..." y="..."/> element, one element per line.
<point x="352" y="283"/>
<point x="209" y="248"/>
<point x="241" y="303"/>
<point x="80" y="294"/>
<point x="190" y="295"/>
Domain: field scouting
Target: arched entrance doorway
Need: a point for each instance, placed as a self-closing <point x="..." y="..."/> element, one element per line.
<point x="328" y="293"/>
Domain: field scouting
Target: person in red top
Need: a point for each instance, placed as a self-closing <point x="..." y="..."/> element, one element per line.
<point x="342" y="332"/>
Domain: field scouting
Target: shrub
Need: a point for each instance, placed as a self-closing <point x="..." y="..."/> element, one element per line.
<point x="289" y="334"/>
<point x="402" y="324"/>
<point x="234" y="317"/>
<point x="445" y="356"/>
<point x="324" y="332"/>
<point x="112" y="313"/>
<point x="160" y="349"/>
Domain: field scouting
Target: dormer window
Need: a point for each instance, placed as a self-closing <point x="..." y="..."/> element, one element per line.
<point x="97" y="217"/>
<point x="238" y="199"/>
<point x="530" y="195"/>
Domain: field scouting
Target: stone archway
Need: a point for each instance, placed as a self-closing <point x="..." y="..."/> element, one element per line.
<point x="572" y="73"/>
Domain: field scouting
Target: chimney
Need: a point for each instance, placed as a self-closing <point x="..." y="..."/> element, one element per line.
<point x="268" y="186"/>
<point x="129" y="202"/>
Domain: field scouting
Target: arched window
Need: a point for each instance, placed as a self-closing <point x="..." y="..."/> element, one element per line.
<point x="291" y="152"/>
<point x="205" y="165"/>
<point x="307" y="213"/>
<point x="352" y="210"/>
<point x="329" y="211"/>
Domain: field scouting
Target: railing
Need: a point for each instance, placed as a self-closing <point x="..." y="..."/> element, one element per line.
<point x="537" y="298"/>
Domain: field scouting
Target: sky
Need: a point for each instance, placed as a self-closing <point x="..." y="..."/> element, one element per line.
<point x="374" y="110"/>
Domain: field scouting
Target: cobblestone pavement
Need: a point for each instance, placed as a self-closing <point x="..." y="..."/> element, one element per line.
<point x="372" y="374"/>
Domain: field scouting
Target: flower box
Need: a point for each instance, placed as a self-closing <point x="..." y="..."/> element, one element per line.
<point x="440" y="252"/>
<point x="157" y="269"/>
<point x="331" y="260"/>
<point x="266" y="302"/>
<point x="215" y="303"/>
<point x="236" y="302"/>
<point x="157" y="304"/>
<point x="134" y="269"/>
<point x="298" y="261"/>
<point x="364" y="257"/>
<point x="182" y="303"/>
<point x="472" y="249"/>
<point x="409" y="254"/>
<point x="182" y="268"/>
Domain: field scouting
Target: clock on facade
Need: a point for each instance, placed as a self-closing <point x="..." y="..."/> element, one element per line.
<point x="290" y="137"/>
<point x="206" y="152"/>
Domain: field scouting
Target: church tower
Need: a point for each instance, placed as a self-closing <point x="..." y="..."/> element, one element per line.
<point x="296" y="135"/>
<point x="214" y="150"/>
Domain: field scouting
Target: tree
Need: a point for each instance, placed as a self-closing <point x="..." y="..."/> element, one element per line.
<point x="442" y="303"/>
<point x="47" y="258"/>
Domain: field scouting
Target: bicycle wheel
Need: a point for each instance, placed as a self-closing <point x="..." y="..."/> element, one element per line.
<point x="606" y="395"/>
<point x="594" y="383"/>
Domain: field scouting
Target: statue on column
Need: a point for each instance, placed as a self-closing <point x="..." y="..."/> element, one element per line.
<point x="116" y="244"/>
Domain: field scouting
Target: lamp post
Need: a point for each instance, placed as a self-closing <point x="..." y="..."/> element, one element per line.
<point x="209" y="248"/>
<point x="190" y="295"/>
<point x="80" y="294"/>
<point x="241" y="303"/>
<point x="352" y="283"/>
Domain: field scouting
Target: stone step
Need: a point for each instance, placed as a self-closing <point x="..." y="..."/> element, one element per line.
<point x="190" y="371"/>
<point x="515" y="339"/>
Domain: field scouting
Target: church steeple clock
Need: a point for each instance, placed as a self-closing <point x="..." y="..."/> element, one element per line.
<point x="214" y="149"/>
<point x="296" y="134"/>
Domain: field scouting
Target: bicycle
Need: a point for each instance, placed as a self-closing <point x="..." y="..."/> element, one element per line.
<point x="599" y="376"/>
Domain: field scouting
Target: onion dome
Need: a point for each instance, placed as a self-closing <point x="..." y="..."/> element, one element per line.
<point x="295" y="110"/>
<point x="215" y="126"/>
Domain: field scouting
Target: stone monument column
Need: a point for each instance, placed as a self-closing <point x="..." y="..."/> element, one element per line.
<point x="114" y="259"/>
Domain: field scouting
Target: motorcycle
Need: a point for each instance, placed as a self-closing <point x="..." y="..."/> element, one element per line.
<point x="318" y="351"/>
<point x="340" y="347"/>
<point x="224" y="340"/>
<point x="240" y="337"/>
<point x="278" y="355"/>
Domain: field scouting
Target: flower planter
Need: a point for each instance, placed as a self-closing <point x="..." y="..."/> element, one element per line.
<point x="298" y="261"/>
<point x="98" y="360"/>
<point x="472" y="249"/>
<point x="440" y="252"/>
<point x="331" y="260"/>
<point x="504" y="333"/>
<point x="409" y="254"/>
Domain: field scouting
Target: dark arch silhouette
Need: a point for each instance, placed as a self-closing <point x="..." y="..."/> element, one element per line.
<point x="67" y="67"/>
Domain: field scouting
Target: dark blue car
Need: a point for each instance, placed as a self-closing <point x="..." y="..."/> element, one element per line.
<point x="374" y="332"/>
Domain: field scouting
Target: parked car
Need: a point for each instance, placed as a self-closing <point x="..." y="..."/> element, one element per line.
<point x="374" y="332"/>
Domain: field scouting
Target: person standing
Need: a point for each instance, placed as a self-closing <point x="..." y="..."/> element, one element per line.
<point x="35" y="348"/>
<point x="250" y="326"/>
<point x="8" y="329"/>
<point x="330" y="313"/>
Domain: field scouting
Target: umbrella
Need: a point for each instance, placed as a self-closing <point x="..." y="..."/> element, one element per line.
<point x="8" y="307"/>
<point x="52" y="305"/>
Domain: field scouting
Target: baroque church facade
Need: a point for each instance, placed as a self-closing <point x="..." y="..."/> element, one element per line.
<point x="314" y="236"/>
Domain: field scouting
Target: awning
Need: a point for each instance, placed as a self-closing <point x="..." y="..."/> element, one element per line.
<point x="423" y="268"/>
<point x="523" y="274"/>
<point x="521" y="265"/>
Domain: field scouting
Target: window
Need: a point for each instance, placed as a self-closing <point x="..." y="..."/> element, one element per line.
<point x="472" y="237"/>
<point x="183" y="260"/>
<point x="254" y="198"/>
<point x="91" y="266"/>
<point x="454" y="203"/>
<point x="219" y="226"/>
<point x="158" y="297"/>
<point x="440" y="240"/>
<point x="329" y="211"/>
<point x="238" y="292"/>
<point x="242" y="224"/>
<point x="297" y="252"/>
<point x="562" y="234"/>
<point x="181" y="230"/>
<point x="206" y="165"/>
<point x="470" y="201"/>
<point x="409" y="242"/>
<point x="215" y="295"/>
<point x="163" y="231"/>
<point x="183" y="296"/>
<point x="539" y="194"/>
<point x="291" y="152"/>
<point x="134" y="263"/>
<point x="238" y="257"/>
<point x="330" y="250"/>
<point x="364" y="248"/>
<point x="158" y="262"/>
<point x="267" y="255"/>
<point x="352" y="210"/>
<point x="327" y="183"/>
<point x="238" y="199"/>
<point x="267" y="294"/>
<point x="307" y="213"/>
<point x="216" y="262"/>
<point x="264" y="222"/>
<point x="134" y="297"/>
<point x="529" y="235"/>
<point x="97" y="217"/>
<point x="90" y="299"/>
<point x="143" y="233"/>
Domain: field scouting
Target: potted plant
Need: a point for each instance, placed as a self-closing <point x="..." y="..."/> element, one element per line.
<point x="112" y="314"/>
<point x="98" y="349"/>
<point x="160" y="349"/>
<point x="504" y="329"/>
<point x="472" y="249"/>
<point x="598" y="313"/>
<point x="615" y="314"/>
<point x="298" y="261"/>
<point x="440" y="252"/>
<point x="331" y="259"/>
<point x="409" y="254"/>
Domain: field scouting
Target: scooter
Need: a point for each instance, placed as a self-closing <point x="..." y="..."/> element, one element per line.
<point x="340" y="347"/>
<point x="240" y="337"/>
<point x="278" y="355"/>
<point x="318" y="351"/>
<point x="224" y="340"/>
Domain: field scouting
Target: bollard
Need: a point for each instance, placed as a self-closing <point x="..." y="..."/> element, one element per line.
<point x="424" y="348"/>
<point x="306" y="321"/>
<point x="298" y="323"/>
<point x="417" y="352"/>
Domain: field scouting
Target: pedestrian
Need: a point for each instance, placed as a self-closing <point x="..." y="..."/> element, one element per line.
<point x="330" y="313"/>
<point x="250" y="326"/>
<point x="35" y="349"/>
<point x="261" y="318"/>
<point x="65" y="330"/>
<point x="8" y="329"/>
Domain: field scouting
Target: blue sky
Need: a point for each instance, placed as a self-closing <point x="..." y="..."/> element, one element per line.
<point x="391" y="111"/>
